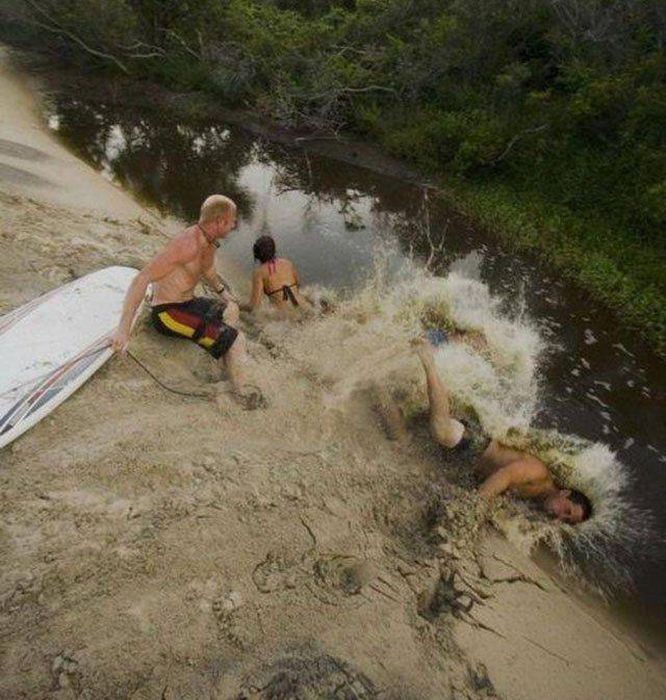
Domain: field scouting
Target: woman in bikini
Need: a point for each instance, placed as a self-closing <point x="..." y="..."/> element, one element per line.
<point x="277" y="278"/>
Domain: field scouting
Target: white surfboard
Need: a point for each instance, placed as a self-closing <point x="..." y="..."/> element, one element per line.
<point x="51" y="345"/>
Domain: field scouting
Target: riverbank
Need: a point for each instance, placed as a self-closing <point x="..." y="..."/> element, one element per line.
<point x="155" y="546"/>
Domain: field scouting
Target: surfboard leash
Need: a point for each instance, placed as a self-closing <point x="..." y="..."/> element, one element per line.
<point x="166" y="387"/>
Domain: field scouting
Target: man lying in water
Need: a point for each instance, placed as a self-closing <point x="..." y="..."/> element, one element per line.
<point x="502" y="468"/>
<point x="174" y="273"/>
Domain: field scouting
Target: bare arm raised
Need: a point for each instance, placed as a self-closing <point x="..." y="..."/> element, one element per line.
<point x="178" y="252"/>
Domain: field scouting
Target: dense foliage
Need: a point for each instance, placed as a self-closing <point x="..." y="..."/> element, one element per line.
<point x="560" y="102"/>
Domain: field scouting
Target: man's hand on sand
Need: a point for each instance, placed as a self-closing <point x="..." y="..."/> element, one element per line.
<point x="120" y="341"/>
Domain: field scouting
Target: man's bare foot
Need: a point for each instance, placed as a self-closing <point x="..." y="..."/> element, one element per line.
<point x="251" y="397"/>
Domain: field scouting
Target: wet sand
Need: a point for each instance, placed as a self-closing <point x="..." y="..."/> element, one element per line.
<point x="155" y="546"/>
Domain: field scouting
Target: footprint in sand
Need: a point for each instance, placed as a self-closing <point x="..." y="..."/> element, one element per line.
<point x="333" y="578"/>
<point x="64" y="670"/>
<point x="321" y="676"/>
<point x="276" y="572"/>
<point x="443" y="597"/>
<point x="231" y="622"/>
<point x="343" y="579"/>
<point x="342" y="573"/>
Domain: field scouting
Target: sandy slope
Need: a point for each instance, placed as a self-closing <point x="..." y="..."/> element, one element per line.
<point x="154" y="546"/>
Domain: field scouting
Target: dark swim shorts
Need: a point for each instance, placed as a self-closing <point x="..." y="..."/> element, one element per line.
<point x="199" y="320"/>
<point x="474" y="441"/>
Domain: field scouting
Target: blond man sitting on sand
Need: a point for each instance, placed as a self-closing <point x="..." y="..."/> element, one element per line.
<point x="174" y="273"/>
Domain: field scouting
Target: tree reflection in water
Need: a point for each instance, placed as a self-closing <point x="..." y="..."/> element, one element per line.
<point x="166" y="165"/>
<point x="173" y="165"/>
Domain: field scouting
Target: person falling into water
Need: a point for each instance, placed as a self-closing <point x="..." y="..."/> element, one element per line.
<point x="276" y="278"/>
<point x="502" y="469"/>
<point x="174" y="273"/>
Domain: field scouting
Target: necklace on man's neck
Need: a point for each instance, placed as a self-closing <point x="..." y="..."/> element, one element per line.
<point x="211" y="241"/>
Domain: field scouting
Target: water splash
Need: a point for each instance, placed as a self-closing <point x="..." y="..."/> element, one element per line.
<point x="365" y="342"/>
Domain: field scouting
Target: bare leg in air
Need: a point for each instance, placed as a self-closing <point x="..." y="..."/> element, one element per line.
<point x="445" y="430"/>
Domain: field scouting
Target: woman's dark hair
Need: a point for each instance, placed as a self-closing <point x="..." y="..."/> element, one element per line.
<point x="583" y="501"/>
<point x="264" y="249"/>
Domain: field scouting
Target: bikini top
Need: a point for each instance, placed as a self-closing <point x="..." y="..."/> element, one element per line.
<point x="287" y="294"/>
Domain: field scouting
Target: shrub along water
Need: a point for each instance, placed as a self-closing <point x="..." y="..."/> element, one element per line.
<point x="546" y="117"/>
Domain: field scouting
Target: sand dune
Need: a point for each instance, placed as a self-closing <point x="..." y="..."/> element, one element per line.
<point x="156" y="546"/>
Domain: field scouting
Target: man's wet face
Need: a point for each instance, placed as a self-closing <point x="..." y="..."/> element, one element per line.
<point x="563" y="509"/>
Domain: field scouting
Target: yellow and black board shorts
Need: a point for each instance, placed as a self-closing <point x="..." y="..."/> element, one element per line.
<point x="199" y="320"/>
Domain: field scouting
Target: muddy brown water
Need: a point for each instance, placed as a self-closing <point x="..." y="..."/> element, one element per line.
<point x="600" y="382"/>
